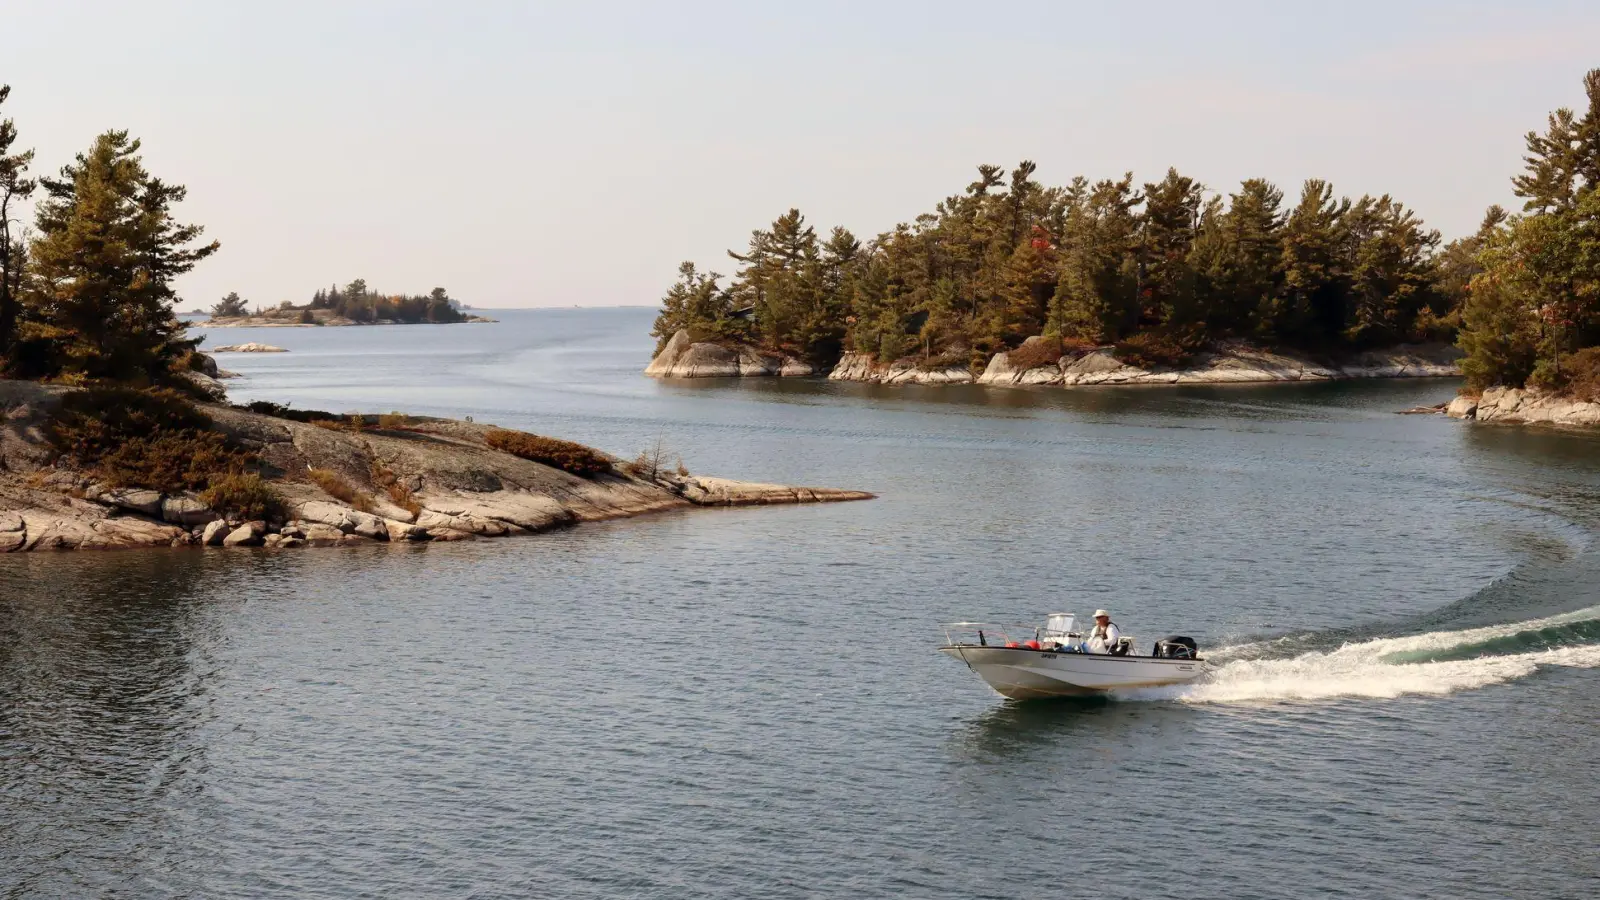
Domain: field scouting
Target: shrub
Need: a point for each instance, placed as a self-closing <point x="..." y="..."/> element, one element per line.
<point x="243" y="496"/>
<point x="152" y="439"/>
<point x="1578" y="378"/>
<point x="280" y="411"/>
<point x="385" y="478"/>
<point x="1035" y="353"/>
<point x="956" y="356"/>
<point x="567" y="456"/>
<point x="394" y="421"/>
<point x="1153" y="350"/>
<point x="334" y="485"/>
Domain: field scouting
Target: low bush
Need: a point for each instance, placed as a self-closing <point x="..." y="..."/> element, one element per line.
<point x="334" y="485"/>
<point x="244" y="496"/>
<point x="567" y="456"/>
<point x="280" y="411"/>
<point x="1154" y="350"/>
<point x="1578" y="378"/>
<point x="956" y="357"/>
<point x="394" y="421"/>
<point x="145" y="438"/>
<point x="1033" y="354"/>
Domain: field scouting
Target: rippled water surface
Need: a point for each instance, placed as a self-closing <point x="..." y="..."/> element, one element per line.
<point x="1403" y="614"/>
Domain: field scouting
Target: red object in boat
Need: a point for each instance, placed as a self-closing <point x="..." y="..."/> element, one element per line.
<point x="1012" y="645"/>
<point x="1031" y="645"/>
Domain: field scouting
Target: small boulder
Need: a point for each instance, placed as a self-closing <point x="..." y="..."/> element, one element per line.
<point x="137" y="500"/>
<point x="214" y="533"/>
<point x="187" y="511"/>
<point x="318" y="534"/>
<point x="1462" y="407"/>
<point x="246" y="535"/>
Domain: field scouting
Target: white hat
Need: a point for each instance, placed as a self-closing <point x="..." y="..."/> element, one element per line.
<point x="1100" y="612"/>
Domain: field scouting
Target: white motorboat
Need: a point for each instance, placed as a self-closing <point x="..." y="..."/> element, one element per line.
<point x="1026" y="662"/>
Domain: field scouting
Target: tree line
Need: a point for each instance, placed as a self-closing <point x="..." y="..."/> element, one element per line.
<point x="358" y="302"/>
<point x="1161" y="269"/>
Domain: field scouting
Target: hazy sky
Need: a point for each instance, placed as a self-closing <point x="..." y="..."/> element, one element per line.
<point x="527" y="154"/>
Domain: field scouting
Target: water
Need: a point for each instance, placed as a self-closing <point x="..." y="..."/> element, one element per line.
<point x="1404" y="614"/>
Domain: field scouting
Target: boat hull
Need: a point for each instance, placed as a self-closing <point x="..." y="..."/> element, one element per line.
<point x="1023" y="674"/>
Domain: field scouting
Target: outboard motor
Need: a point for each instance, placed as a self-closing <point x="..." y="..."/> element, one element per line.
<point x="1176" y="646"/>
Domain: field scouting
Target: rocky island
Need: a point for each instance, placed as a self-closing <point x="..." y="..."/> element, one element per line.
<point x="333" y="480"/>
<point x="1010" y="281"/>
<point x="355" y="304"/>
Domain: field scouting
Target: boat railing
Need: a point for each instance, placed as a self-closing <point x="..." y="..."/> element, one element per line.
<point x="999" y="634"/>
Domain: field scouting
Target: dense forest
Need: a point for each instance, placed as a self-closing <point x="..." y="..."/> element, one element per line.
<point x="1162" y="269"/>
<point x="1159" y="269"/>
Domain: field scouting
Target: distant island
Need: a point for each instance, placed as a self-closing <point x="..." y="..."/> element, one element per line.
<point x="1010" y="281"/>
<point x="356" y="304"/>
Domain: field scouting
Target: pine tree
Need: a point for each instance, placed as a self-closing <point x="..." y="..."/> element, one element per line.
<point x="1167" y="232"/>
<point x="230" y="306"/>
<point x="101" y="280"/>
<point x="1310" y="308"/>
<point x="14" y="188"/>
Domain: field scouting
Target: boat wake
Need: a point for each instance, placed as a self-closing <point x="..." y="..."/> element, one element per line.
<point x="1436" y="663"/>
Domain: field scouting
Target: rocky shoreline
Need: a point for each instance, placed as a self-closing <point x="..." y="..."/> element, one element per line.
<point x="460" y="488"/>
<point x="1231" y="363"/>
<point x="1520" y="406"/>
<point x="686" y="358"/>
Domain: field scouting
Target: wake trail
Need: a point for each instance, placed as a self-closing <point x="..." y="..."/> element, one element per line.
<point x="1436" y="664"/>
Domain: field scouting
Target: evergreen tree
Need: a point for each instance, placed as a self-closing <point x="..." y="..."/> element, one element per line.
<point x="100" y="284"/>
<point x="1310" y="308"/>
<point x="230" y="307"/>
<point x="14" y="188"/>
<point x="1240" y="257"/>
<point x="1166" y="236"/>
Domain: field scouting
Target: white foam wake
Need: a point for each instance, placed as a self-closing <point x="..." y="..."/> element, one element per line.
<point x="1360" y="669"/>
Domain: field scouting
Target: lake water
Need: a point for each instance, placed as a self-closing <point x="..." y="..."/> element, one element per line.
<point x="1403" y="612"/>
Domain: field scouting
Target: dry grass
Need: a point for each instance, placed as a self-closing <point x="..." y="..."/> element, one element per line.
<point x="334" y="485"/>
<point x="385" y="478"/>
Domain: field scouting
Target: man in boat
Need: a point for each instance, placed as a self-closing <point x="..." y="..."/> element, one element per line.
<point x="1105" y="636"/>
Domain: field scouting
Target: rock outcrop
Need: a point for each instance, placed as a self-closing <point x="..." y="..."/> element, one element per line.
<point x="862" y="367"/>
<point x="1228" y="364"/>
<point x="448" y="485"/>
<point x="1517" y="406"/>
<point x="685" y="358"/>
<point x="249" y="347"/>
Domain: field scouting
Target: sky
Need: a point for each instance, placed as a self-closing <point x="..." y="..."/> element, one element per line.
<point x="532" y="154"/>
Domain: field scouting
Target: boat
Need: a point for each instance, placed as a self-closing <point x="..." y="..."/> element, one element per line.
<point x="1027" y="662"/>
